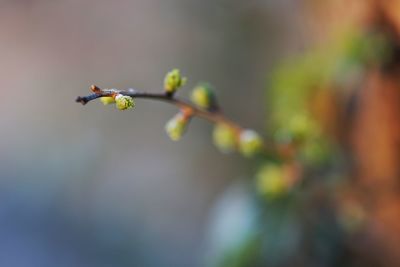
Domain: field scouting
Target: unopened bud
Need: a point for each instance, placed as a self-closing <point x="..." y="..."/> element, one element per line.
<point x="173" y="81"/>
<point x="107" y="100"/>
<point x="203" y="96"/>
<point x="224" y="138"/>
<point x="271" y="181"/>
<point x="176" y="126"/>
<point x="250" y="143"/>
<point x="302" y="127"/>
<point x="124" y="102"/>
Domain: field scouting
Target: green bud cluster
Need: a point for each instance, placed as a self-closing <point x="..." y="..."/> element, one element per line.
<point x="228" y="139"/>
<point x="173" y="81"/>
<point x="227" y="136"/>
<point x="203" y="96"/>
<point x="176" y="126"/>
<point x="122" y="102"/>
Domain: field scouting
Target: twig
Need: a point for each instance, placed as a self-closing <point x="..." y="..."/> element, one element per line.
<point x="214" y="115"/>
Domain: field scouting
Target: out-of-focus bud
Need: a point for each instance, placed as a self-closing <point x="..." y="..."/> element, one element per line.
<point x="302" y="127"/>
<point x="224" y="138"/>
<point x="124" y="102"/>
<point x="176" y="126"/>
<point x="203" y="96"/>
<point x="107" y="100"/>
<point x="250" y="143"/>
<point x="271" y="181"/>
<point x="173" y="81"/>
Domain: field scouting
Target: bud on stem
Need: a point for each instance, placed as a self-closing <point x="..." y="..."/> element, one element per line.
<point x="107" y="100"/>
<point x="271" y="181"/>
<point x="173" y="81"/>
<point x="124" y="102"/>
<point x="224" y="138"/>
<point x="203" y="96"/>
<point x="250" y="143"/>
<point x="176" y="126"/>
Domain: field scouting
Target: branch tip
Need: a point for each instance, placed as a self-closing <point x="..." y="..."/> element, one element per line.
<point x="95" y="89"/>
<point x="81" y="100"/>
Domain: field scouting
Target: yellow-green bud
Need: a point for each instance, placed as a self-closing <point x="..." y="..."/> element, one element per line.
<point x="124" y="102"/>
<point x="176" y="126"/>
<point x="301" y="127"/>
<point x="107" y="100"/>
<point x="250" y="143"/>
<point x="224" y="138"/>
<point x="271" y="181"/>
<point x="173" y="81"/>
<point x="203" y="96"/>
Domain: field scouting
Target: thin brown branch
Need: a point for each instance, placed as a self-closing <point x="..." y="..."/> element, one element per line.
<point x="214" y="116"/>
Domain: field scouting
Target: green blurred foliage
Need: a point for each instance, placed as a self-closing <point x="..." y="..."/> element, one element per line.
<point x="246" y="254"/>
<point x="336" y="66"/>
<point x="304" y="228"/>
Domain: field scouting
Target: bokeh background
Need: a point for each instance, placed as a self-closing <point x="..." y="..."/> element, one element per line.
<point x="93" y="186"/>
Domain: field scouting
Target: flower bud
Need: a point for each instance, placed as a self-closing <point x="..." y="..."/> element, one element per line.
<point x="176" y="126"/>
<point x="203" y="96"/>
<point x="302" y="127"/>
<point x="173" y="81"/>
<point x="271" y="181"/>
<point x="224" y="138"/>
<point x="124" y="102"/>
<point x="107" y="100"/>
<point x="250" y="143"/>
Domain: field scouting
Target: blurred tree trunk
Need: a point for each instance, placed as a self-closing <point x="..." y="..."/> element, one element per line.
<point x="374" y="135"/>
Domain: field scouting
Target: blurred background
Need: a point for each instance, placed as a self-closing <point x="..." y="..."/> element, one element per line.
<point x="93" y="186"/>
